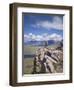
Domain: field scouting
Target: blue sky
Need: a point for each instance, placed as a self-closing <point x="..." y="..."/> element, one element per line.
<point x="38" y="27"/>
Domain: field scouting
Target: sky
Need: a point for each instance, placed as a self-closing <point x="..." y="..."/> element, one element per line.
<point x="43" y="27"/>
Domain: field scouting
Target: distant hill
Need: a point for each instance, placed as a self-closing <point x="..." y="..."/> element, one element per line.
<point x="41" y="43"/>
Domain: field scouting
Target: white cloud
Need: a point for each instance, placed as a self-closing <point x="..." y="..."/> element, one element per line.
<point x="56" y="37"/>
<point x="55" y="24"/>
<point x="42" y="37"/>
<point x="29" y="37"/>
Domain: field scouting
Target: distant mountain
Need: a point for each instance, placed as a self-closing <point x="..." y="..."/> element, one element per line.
<point x="37" y="43"/>
<point x="41" y="43"/>
<point x="50" y="42"/>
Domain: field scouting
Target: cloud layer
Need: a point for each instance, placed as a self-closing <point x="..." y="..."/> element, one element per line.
<point x="56" y="23"/>
<point x="45" y="36"/>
